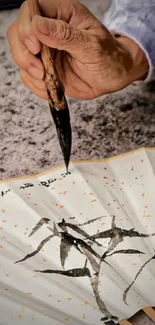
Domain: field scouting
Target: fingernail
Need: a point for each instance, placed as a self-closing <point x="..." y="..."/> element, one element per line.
<point x="37" y="73"/>
<point x="31" y="46"/>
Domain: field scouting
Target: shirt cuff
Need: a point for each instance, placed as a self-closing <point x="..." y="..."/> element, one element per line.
<point x="141" y="33"/>
<point x="143" y="44"/>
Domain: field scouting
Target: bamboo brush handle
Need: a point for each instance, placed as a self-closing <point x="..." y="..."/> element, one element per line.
<point x="54" y="88"/>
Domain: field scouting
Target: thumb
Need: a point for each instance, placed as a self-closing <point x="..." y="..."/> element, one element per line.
<point x="60" y="35"/>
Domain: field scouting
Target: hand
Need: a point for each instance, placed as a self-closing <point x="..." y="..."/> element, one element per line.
<point x="90" y="61"/>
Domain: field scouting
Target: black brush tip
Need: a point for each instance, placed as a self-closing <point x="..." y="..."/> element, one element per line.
<point x="62" y="122"/>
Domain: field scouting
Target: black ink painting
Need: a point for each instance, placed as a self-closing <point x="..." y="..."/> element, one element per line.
<point x="82" y="221"/>
<point x="86" y="245"/>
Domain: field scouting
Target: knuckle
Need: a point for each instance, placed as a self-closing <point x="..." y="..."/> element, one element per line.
<point x="61" y="30"/>
<point x="20" y="30"/>
<point x="64" y="31"/>
<point x="23" y="30"/>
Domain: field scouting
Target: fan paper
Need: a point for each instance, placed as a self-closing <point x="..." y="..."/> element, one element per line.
<point x="79" y="248"/>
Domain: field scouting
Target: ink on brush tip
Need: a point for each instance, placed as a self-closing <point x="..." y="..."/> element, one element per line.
<point x="57" y="101"/>
<point x="62" y="122"/>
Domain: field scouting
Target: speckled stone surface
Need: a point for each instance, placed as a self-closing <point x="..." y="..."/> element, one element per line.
<point x="104" y="127"/>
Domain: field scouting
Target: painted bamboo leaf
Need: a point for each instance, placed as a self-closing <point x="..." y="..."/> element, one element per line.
<point x="80" y="231"/>
<point x="104" y="234"/>
<point x="83" y="244"/>
<point x="126" y="251"/>
<point x="79" y="243"/>
<point x="39" y="225"/>
<point x="90" y="221"/>
<point x="120" y="233"/>
<point x="133" y="233"/>
<point x="65" y="248"/>
<point x="75" y="273"/>
<point x="77" y="229"/>
<point x="37" y="250"/>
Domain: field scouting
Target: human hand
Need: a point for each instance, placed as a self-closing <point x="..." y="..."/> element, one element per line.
<point x="90" y="61"/>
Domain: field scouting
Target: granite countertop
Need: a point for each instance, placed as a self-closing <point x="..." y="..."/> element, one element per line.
<point x="104" y="127"/>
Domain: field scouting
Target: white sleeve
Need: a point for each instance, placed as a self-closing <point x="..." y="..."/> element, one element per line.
<point x="136" y="20"/>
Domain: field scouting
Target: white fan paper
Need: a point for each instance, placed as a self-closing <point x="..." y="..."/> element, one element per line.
<point x="79" y="248"/>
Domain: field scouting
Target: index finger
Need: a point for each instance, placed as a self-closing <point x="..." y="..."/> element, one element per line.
<point x="21" y="55"/>
<point x="57" y="9"/>
<point x="24" y="30"/>
<point x="72" y="12"/>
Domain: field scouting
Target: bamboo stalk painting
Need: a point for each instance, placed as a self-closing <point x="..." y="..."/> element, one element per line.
<point x="78" y="248"/>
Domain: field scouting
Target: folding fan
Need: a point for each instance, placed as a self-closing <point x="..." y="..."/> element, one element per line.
<point x="78" y="248"/>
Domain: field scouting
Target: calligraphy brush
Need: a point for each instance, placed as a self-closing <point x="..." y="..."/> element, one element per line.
<point x="56" y="98"/>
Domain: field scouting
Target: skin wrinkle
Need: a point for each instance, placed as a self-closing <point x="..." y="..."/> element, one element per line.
<point x="103" y="64"/>
<point x="66" y="33"/>
<point x="94" y="91"/>
<point x="109" y="76"/>
<point x="73" y="70"/>
<point x="69" y="35"/>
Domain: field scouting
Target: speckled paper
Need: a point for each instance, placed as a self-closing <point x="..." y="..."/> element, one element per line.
<point x="78" y="248"/>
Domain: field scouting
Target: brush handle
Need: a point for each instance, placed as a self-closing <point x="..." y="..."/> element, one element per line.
<point x="55" y="91"/>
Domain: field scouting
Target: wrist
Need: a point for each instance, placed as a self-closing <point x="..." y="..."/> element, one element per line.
<point x="136" y="65"/>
